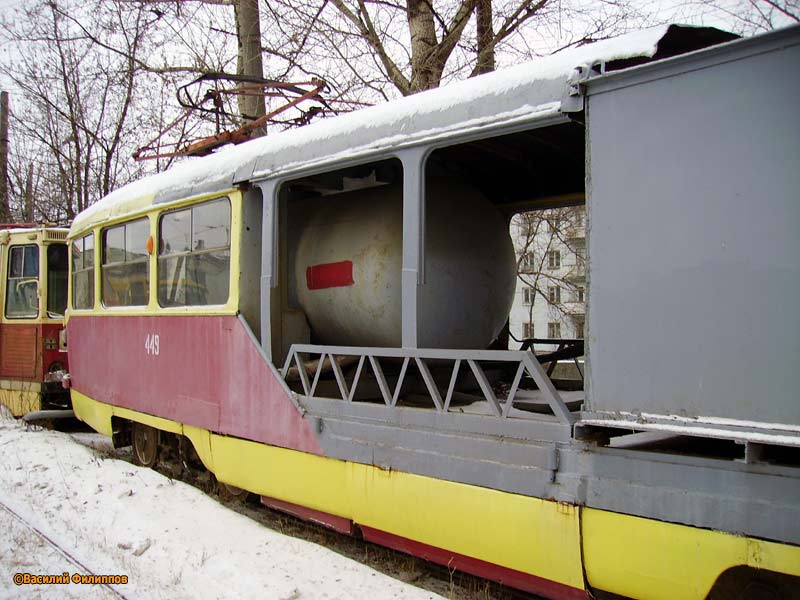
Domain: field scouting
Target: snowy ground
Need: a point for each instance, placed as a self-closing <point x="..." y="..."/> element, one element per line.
<point x="171" y="540"/>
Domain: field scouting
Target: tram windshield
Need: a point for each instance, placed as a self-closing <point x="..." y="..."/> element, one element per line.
<point x="22" y="289"/>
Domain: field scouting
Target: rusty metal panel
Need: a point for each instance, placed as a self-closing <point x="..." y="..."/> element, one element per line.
<point x="19" y="356"/>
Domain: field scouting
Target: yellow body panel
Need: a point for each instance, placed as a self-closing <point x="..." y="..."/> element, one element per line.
<point x="627" y="555"/>
<point x="647" y="559"/>
<point x="22" y="401"/>
<point x="98" y="416"/>
<point x="518" y="532"/>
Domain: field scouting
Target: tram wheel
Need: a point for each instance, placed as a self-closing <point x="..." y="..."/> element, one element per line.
<point x="231" y="493"/>
<point x="145" y="444"/>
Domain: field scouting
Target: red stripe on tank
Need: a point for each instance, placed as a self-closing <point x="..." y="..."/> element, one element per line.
<point x="328" y="275"/>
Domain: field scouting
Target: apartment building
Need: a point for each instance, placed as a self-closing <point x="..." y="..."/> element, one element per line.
<point x="549" y="302"/>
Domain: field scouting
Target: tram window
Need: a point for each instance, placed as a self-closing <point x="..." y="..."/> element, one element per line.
<point x="83" y="272"/>
<point x="22" y="287"/>
<point x="126" y="268"/>
<point x="194" y="255"/>
<point x="57" y="266"/>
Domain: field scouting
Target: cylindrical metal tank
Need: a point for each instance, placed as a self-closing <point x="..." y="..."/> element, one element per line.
<point x="349" y="257"/>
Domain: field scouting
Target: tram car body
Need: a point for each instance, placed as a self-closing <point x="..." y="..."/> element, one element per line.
<point x="313" y="311"/>
<point x="33" y="293"/>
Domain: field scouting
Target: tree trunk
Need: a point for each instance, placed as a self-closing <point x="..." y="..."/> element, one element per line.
<point x="28" y="208"/>
<point x="249" y="62"/>
<point x="5" y="213"/>
<point x="423" y="44"/>
<point x="483" y="15"/>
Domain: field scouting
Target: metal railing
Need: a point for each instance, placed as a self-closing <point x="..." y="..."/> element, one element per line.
<point x="370" y="358"/>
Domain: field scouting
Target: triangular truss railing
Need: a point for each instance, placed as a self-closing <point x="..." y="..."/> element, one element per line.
<point x="299" y="365"/>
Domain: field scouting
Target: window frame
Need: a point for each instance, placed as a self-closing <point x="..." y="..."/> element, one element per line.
<point x="528" y="294"/>
<point x="553" y="259"/>
<point x="8" y="258"/>
<point x="160" y="256"/>
<point x="74" y="273"/>
<point x="580" y="256"/>
<point x="554" y="294"/>
<point x="527" y="263"/>
<point x="579" y="325"/>
<point x="527" y="330"/>
<point x="104" y="265"/>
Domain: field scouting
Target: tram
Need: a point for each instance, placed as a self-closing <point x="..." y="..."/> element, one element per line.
<point x="33" y="300"/>
<point x="321" y="315"/>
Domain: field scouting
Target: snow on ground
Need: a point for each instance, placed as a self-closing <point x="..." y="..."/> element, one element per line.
<point x="170" y="539"/>
<point x="22" y="551"/>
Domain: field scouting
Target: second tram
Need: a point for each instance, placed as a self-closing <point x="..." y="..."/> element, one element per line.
<point x="33" y="298"/>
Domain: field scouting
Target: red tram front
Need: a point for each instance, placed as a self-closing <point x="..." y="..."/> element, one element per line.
<point x="33" y="297"/>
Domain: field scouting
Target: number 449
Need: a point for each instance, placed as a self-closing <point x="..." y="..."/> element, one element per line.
<point x="151" y="344"/>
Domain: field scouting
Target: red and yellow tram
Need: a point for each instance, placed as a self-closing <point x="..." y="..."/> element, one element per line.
<point x="312" y="312"/>
<point x="33" y="300"/>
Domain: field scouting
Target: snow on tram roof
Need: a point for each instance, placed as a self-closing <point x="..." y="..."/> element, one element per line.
<point x="528" y="91"/>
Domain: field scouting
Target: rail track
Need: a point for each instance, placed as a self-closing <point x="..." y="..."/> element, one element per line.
<point x="71" y="558"/>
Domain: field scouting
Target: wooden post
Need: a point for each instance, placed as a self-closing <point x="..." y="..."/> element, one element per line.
<point x="5" y="213"/>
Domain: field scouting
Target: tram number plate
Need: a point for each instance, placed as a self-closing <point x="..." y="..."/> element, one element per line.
<point x="151" y="345"/>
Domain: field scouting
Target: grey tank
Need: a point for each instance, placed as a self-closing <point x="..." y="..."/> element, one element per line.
<point x="469" y="278"/>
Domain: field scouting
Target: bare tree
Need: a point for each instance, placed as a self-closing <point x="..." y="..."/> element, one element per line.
<point x="420" y="44"/>
<point x="75" y="104"/>
<point x="4" y="204"/>
<point x="743" y="16"/>
<point x="95" y="82"/>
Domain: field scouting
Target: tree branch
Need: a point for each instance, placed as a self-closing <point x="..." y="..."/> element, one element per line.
<point x="367" y="29"/>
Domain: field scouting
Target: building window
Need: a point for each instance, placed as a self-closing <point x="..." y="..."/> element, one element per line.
<point x="554" y="330"/>
<point x="580" y="294"/>
<point x="580" y="256"/>
<point x="83" y="272"/>
<point x="22" y="286"/>
<point x="579" y="325"/>
<point x="528" y="294"/>
<point x="126" y="266"/>
<point x="527" y="330"/>
<point x="553" y="224"/>
<point x="554" y="294"/>
<point x="195" y="255"/>
<point x="553" y="259"/>
<point x="527" y="263"/>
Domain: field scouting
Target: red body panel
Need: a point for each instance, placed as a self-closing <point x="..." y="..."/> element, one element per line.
<point x="50" y="353"/>
<point x="24" y="353"/>
<point x="203" y="371"/>
<point x="19" y="356"/>
<point x="328" y="520"/>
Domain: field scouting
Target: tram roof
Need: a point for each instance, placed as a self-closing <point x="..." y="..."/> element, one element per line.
<point x="519" y="94"/>
<point x="49" y="232"/>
